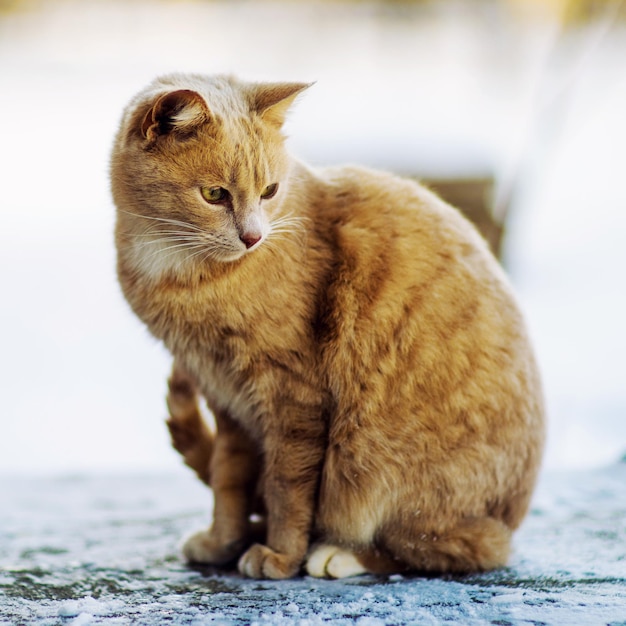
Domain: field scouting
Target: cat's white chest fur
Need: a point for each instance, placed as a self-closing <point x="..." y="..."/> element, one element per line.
<point x="155" y="258"/>
<point x="222" y="387"/>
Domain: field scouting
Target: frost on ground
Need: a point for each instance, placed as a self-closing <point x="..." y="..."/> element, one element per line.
<point x="105" y="551"/>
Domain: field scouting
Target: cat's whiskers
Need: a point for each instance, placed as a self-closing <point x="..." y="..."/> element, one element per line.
<point x="168" y="220"/>
<point x="157" y="231"/>
<point x="185" y="237"/>
<point x="289" y="220"/>
<point x="171" y="239"/>
<point x="206" y="254"/>
<point x="168" y="237"/>
<point x="286" y="226"/>
<point x="169" y="251"/>
<point x="189" y="247"/>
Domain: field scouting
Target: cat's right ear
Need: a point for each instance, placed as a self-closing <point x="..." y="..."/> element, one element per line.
<point x="180" y="111"/>
<point x="272" y="100"/>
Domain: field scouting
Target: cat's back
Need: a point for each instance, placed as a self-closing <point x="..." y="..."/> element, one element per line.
<point x="402" y="213"/>
<point x="395" y="233"/>
<point x="418" y="296"/>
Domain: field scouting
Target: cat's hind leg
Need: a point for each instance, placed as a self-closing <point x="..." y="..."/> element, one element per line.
<point x="190" y="435"/>
<point x="474" y="544"/>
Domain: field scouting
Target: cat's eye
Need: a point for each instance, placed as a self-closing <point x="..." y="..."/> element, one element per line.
<point x="214" y="195"/>
<point x="269" y="191"/>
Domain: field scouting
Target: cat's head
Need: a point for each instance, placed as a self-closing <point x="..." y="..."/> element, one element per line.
<point x="199" y="168"/>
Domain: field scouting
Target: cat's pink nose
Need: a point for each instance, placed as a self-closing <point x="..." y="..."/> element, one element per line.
<point x="249" y="239"/>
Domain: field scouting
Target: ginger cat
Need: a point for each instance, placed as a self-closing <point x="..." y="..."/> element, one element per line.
<point x="375" y="395"/>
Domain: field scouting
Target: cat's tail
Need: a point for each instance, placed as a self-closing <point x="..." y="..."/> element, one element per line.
<point x="190" y="434"/>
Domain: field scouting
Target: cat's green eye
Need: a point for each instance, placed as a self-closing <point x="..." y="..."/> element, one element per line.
<point x="269" y="191"/>
<point x="214" y="195"/>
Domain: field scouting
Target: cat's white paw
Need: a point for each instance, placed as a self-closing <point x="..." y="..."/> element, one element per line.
<point x="326" y="561"/>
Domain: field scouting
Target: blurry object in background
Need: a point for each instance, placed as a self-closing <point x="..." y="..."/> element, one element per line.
<point x="8" y="6"/>
<point x="573" y="12"/>
<point x="474" y="197"/>
<point x="577" y="11"/>
<point x="568" y="12"/>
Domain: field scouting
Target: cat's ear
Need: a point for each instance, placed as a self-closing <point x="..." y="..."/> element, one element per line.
<point x="272" y="100"/>
<point x="179" y="111"/>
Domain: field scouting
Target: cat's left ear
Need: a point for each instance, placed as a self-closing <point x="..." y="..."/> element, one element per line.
<point x="272" y="100"/>
<point x="179" y="111"/>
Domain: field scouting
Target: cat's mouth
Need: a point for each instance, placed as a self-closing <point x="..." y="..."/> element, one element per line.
<point x="235" y="255"/>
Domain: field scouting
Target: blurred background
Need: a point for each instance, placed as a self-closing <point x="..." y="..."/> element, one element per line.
<point x="515" y="108"/>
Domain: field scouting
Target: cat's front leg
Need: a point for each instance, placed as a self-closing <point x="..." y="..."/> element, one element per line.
<point x="293" y="461"/>
<point x="235" y="467"/>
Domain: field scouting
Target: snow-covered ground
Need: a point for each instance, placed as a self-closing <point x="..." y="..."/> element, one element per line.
<point x="82" y="551"/>
<point x="457" y="91"/>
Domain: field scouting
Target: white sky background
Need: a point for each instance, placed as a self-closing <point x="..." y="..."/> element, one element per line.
<point x="459" y="91"/>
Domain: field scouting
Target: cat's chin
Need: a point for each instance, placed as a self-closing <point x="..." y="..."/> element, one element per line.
<point x="233" y="257"/>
